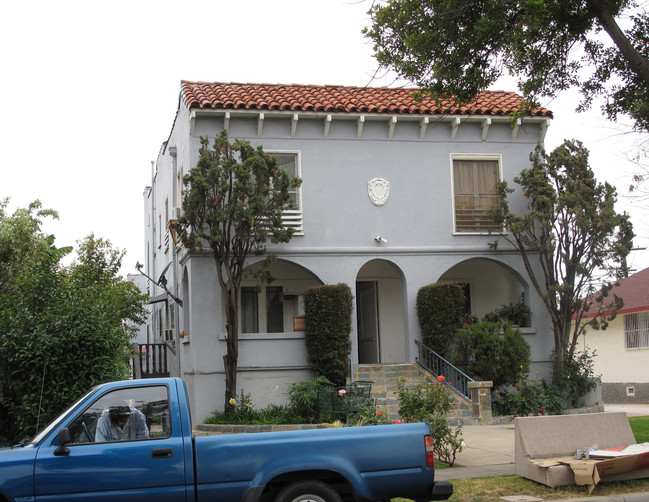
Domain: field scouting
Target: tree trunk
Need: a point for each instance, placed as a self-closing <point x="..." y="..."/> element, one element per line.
<point x="562" y="348"/>
<point x="231" y="357"/>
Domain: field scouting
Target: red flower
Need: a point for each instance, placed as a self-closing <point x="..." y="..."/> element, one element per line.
<point x="380" y="414"/>
<point x="541" y="412"/>
<point x="397" y="422"/>
<point x="441" y="378"/>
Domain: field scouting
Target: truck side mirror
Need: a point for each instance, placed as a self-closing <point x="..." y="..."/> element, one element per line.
<point x="64" y="439"/>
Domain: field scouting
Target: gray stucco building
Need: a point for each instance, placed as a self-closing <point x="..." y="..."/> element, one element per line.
<point x="395" y="195"/>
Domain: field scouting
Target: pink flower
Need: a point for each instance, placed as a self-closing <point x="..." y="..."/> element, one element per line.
<point x="441" y="378"/>
<point x="342" y="392"/>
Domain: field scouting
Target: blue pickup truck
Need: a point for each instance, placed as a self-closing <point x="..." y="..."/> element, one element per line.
<point x="132" y="440"/>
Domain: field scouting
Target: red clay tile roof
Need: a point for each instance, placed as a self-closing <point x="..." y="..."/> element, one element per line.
<point x="332" y="99"/>
<point x="634" y="290"/>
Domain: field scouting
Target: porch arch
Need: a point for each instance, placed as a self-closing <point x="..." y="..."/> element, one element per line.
<point x="489" y="283"/>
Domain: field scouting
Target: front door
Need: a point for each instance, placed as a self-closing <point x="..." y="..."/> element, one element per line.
<point x="367" y="322"/>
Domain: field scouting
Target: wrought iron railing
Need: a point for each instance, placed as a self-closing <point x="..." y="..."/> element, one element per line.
<point x="437" y="365"/>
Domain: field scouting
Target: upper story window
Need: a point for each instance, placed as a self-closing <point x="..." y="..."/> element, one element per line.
<point x="290" y="162"/>
<point x="636" y="330"/>
<point x="475" y="184"/>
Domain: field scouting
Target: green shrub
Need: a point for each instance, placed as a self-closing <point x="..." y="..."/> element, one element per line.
<point x="492" y="351"/>
<point x="532" y="397"/>
<point x="425" y="401"/>
<point x="440" y="309"/>
<point x="244" y="413"/>
<point x="537" y="397"/>
<point x="577" y="379"/>
<point x="303" y="398"/>
<point x="328" y="324"/>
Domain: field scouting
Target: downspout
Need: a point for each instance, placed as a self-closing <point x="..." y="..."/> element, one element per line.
<point x="174" y="259"/>
<point x="151" y="270"/>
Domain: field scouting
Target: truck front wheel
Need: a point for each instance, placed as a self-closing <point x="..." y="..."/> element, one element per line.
<point x="308" y="491"/>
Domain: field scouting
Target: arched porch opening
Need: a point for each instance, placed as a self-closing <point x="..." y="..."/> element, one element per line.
<point x="278" y="306"/>
<point x="488" y="285"/>
<point x="380" y="313"/>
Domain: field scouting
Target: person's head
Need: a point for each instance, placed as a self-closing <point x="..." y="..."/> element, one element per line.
<point x="119" y="415"/>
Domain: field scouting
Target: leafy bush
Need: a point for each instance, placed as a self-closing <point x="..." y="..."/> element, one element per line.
<point x="62" y="329"/>
<point x="537" y="397"/>
<point x="533" y="397"/>
<point x="244" y="413"/>
<point x="425" y="401"/>
<point x="492" y="351"/>
<point x="303" y="398"/>
<point x="577" y="379"/>
<point x="440" y="308"/>
<point x="328" y="324"/>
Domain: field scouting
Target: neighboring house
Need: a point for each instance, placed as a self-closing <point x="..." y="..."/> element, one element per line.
<point x="396" y="195"/>
<point x="622" y="349"/>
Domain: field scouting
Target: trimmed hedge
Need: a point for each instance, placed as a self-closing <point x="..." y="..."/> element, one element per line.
<point x="328" y="324"/>
<point x="440" y="308"/>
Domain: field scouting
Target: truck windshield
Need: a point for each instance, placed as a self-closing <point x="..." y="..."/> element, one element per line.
<point x="41" y="435"/>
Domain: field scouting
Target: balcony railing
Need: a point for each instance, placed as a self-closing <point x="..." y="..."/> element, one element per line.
<point x="439" y="366"/>
<point x="151" y="361"/>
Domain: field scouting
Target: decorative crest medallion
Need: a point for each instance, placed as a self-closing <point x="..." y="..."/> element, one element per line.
<point x="378" y="189"/>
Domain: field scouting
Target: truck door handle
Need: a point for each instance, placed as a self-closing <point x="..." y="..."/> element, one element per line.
<point x="162" y="453"/>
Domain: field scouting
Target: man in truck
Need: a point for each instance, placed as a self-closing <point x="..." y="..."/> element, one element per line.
<point x="119" y="423"/>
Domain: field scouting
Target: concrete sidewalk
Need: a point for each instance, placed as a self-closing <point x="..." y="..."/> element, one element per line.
<point x="489" y="451"/>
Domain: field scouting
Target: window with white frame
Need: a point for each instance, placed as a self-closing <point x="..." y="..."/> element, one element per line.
<point x="290" y="162"/>
<point x="636" y="330"/>
<point x="475" y="185"/>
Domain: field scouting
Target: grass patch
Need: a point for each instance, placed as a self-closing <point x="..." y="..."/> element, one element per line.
<point x="491" y="489"/>
<point x="640" y="428"/>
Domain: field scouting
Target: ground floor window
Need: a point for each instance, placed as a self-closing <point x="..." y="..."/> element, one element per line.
<point x="636" y="330"/>
<point x="267" y="309"/>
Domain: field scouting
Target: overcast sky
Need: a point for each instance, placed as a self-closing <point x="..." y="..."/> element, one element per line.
<point x="89" y="91"/>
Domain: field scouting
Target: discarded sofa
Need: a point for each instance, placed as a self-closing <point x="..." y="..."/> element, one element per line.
<point x="541" y="439"/>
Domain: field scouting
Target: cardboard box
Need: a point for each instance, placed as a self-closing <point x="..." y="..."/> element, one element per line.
<point x="588" y="472"/>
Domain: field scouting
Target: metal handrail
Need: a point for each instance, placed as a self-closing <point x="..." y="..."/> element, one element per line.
<point x="439" y="366"/>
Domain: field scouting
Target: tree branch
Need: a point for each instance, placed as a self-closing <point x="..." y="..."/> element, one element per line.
<point x="638" y="63"/>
